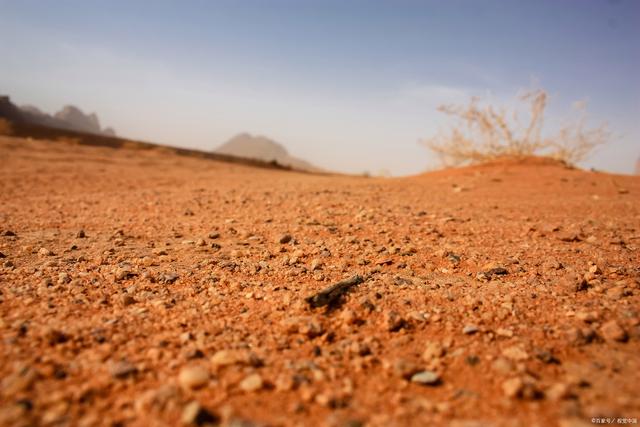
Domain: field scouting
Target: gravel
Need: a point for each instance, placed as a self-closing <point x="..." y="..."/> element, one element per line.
<point x="239" y="312"/>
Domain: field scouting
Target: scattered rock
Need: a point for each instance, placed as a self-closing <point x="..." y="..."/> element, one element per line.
<point x="515" y="353"/>
<point x="80" y="234"/>
<point x="546" y="356"/>
<point x="123" y="273"/>
<point x="521" y="388"/>
<point x="491" y="273"/>
<point x="251" y="383"/>
<point x="44" y="252"/>
<point x="580" y="336"/>
<point x="56" y="336"/>
<point x="311" y="327"/>
<point x="508" y="333"/>
<point x="315" y="264"/>
<point x="469" y="329"/>
<point x="472" y="360"/>
<point x="349" y="317"/>
<point x="454" y="258"/>
<point x="223" y="358"/>
<point x="558" y="391"/>
<point x="404" y="368"/>
<point x="284" y="239"/>
<point x="228" y="357"/>
<point x="587" y="317"/>
<point x="433" y="350"/>
<point x="194" y="414"/>
<point x="123" y="369"/>
<point x="612" y="331"/>
<point x="128" y="300"/>
<point x="426" y="378"/>
<point x="168" y="278"/>
<point x="569" y="237"/>
<point x="193" y="377"/>
<point x="513" y="387"/>
<point x="393" y="321"/>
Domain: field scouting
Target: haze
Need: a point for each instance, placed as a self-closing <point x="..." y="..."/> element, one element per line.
<point x="347" y="85"/>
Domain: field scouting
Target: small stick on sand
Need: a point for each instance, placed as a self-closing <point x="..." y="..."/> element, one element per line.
<point x="330" y="295"/>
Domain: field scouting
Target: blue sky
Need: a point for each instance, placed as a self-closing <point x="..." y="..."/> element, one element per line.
<point x="348" y="85"/>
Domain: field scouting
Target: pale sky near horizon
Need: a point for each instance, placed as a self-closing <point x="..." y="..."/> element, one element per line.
<point x="348" y="85"/>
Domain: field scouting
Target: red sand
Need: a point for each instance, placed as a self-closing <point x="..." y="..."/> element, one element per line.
<point x="515" y="284"/>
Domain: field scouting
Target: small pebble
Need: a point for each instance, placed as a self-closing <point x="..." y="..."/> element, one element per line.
<point x="285" y="238"/>
<point x="193" y="377"/>
<point x="224" y="358"/>
<point x="612" y="331"/>
<point x="123" y="369"/>
<point x="128" y="300"/>
<point x="316" y="264"/>
<point x="516" y="353"/>
<point x="393" y="321"/>
<point x="194" y="414"/>
<point x="433" y="350"/>
<point x="44" y="252"/>
<point x="512" y="387"/>
<point x="55" y="336"/>
<point x="404" y="368"/>
<point x="251" y="383"/>
<point x="469" y="329"/>
<point x="426" y="378"/>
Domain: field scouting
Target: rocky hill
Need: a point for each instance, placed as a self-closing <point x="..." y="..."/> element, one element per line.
<point x="69" y="117"/>
<point x="261" y="148"/>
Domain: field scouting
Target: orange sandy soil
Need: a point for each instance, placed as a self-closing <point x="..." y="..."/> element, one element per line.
<point x="515" y="286"/>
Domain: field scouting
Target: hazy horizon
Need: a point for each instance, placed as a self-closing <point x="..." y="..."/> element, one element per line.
<point x="348" y="86"/>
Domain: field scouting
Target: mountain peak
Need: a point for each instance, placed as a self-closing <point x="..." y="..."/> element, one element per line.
<point x="79" y="120"/>
<point x="257" y="147"/>
<point x="263" y="148"/>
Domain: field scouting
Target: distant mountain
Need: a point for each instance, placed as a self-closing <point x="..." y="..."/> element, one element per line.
<point x="78" y="120"/>
<point x="69" y="117"/>
<point x="638" y="166"/>
<point x="262" y="148"/>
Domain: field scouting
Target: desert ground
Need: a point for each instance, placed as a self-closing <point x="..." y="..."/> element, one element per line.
<point x="144" y="288"/>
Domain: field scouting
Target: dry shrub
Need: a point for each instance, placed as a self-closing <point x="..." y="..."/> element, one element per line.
<point x="484" y="133"/>
<point x="5" y="127"/>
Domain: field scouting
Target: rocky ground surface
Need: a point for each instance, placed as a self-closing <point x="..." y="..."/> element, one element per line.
<point x="143" y="288"/>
